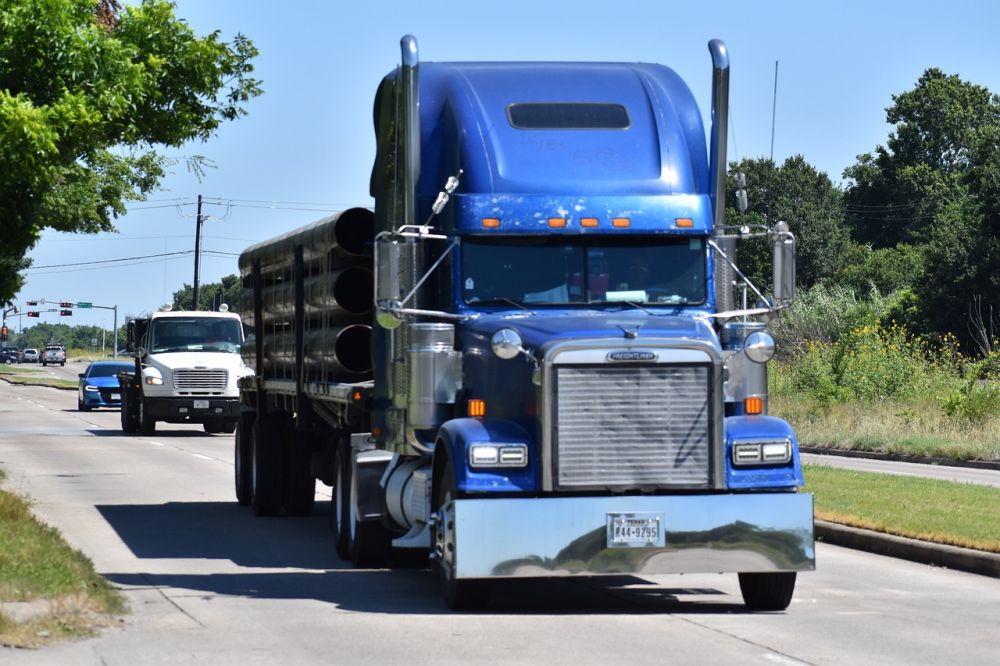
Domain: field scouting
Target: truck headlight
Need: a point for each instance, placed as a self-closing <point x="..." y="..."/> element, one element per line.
<point x="761" y="452"/>
<point x="152" y="376"/>
<point x="493" y="454"/>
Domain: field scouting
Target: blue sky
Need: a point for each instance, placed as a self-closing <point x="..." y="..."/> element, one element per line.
<point x="308" y="142"/>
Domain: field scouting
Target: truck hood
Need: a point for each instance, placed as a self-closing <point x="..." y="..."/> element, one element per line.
<point x="545" y="327"/>
<point x="175" y="360"/>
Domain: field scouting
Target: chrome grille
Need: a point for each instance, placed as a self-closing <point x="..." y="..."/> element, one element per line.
<point x="200" y="380"/>
<point x="635" y="426"/>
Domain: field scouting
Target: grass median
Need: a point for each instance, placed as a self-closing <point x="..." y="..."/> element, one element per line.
<point x="34" y="376"/>
<point x="48" y="590"/>
<point x="957" y="514"/>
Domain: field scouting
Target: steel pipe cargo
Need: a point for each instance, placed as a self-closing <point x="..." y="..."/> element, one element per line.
<point x="347" y="234"/>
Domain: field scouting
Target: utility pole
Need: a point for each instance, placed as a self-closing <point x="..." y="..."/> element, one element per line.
<point x="197" y="254"/>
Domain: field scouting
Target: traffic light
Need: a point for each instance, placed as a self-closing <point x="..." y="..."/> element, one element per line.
<point x="3" y="333"/>
<point x="32" y="303"/>
<point x="32" y="314"/>
<point x="65" y="313"/>
<point x="65" y="305"/>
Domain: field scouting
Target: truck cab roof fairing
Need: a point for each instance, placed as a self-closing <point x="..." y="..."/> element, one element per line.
<point x="662" y="151"/>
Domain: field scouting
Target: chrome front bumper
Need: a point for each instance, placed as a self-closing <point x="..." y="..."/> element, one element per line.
<point x="568" y="536"/>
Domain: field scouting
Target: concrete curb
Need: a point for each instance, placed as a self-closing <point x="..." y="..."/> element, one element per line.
<point x="895" y="457"/>
<point x="925" y="552"/>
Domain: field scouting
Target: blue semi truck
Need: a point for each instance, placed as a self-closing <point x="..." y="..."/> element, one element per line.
<point x="536" y="357"/>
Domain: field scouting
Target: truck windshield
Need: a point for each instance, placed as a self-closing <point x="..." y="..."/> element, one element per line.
<point x="561" y="270"/>
<point x="194" y="334"/>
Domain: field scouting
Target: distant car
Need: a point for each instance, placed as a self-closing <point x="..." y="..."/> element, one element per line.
<point x="9" y="356"/>
<point x="30" y="355"/>
<point x="99" y="385"/>
<point x="53" y="354"/>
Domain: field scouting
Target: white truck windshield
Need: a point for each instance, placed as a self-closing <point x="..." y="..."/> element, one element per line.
<point x="194" y="334"/>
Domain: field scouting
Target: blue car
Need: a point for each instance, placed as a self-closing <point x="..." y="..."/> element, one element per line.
<point x="99" y="385"/>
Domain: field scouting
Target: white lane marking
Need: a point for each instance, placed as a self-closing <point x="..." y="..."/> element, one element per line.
<point x="782" y="659"/>
<point x="157" y="444"/>
<point x="198" y="455"/>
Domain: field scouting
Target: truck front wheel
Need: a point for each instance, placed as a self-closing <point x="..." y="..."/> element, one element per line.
<point x="459" y="594"/>
<point x="339" y="514"/>
<point x="767" y="591"/>
<point x="147" y="424"/>
<point x="130" y="420"/>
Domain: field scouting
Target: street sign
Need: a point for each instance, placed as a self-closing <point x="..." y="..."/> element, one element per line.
<point x="84" y="305"/>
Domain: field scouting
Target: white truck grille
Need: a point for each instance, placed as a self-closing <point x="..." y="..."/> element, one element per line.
<point x="631" y="427"/>
<point x="201" y="380"/>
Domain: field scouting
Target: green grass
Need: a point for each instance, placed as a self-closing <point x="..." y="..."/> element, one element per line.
<point x="904" y="427"/>
<point x="31" y="376"/>
<point x="944" y="512"/>
<point x="36" y="563"/>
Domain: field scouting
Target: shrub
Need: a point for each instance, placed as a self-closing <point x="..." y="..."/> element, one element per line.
<point x="824" y="314"/>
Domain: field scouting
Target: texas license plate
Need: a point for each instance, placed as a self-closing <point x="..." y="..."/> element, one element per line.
<point x="635" y="530"/>
<point x="201" y="404"/>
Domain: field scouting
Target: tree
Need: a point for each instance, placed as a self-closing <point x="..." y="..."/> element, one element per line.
<point x="935" y="186"/>
<point x="89" y="93"/>
<point x="228" y="290"/>
<point x="800" y="195"/>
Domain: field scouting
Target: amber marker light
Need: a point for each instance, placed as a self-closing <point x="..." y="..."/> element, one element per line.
<point x="476" y="407"/>
<point x="491" y="222"/>
<point x="557" y="222"/>
<point x="621" y="222"/>
<point x="753" y="405"/>
<point x="684" y="222"/>
<point x="588" y="222"/>
<point x="357" y="396"/>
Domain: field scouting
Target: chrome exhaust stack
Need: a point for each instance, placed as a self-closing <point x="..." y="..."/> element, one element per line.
<point x="723" y="274"/>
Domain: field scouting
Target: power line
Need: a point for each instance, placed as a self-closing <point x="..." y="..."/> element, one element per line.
<point x="110" y="261"/>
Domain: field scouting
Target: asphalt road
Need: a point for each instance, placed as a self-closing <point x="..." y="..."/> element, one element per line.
<point x="209" y="583"/>
<point x="985" y="477"/>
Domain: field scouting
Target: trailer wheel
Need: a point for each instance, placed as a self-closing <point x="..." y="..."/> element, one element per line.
<point x="767" y="591"/>
<point x="242" y="457"/>
<point x="459" y="594"/>
<point x="130" y="421"/>
<point x="266" y="469"/>
<point x="147" y="424"/>
<point x="300" y="484"/>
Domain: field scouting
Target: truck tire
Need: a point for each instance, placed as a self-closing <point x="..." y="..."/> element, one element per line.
<point x="130" y="420"/>
<point x="266" y="469"/>
<point x="369" y="543"/>
<point x="459" y="594"/>
<point x="147" y="424"/>
<point x="228" y="426"/>
<point x="767" y="591"/>
<point x="300" y="484"/>
<point x="242" y="462"/>
<point x="339" y="514"/>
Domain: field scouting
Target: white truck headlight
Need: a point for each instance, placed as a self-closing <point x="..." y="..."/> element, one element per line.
<point x="761" y="452"/>
<point x="152" y="376"/>
<point x="493" y="454"/>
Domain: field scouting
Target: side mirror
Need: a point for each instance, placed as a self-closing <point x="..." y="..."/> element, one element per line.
<point x="784" y="263"/>
<point x="388" y="294"/>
